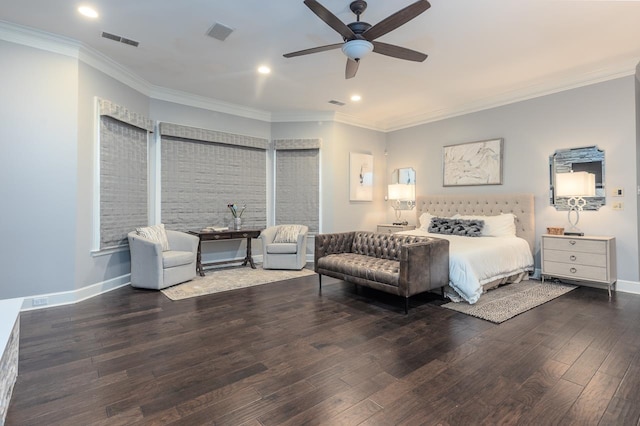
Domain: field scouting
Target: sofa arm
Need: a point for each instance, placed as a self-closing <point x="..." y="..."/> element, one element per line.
<point x="423" y="266"/>
<point x="326" y="244"/>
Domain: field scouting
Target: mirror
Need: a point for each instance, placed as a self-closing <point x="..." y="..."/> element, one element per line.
<point x="403" y="186"/>
<point x="588" y="159"/>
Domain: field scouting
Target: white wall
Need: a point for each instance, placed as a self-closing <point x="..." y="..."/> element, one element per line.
<point x="601" y="114"/>
<point x="38" y="183"/>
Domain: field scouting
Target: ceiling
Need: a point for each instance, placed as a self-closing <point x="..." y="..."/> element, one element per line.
<point x="481" y="53"/>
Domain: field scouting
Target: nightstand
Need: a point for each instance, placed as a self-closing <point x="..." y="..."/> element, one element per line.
<point x="392" y="229"/>
<point x="580" y="258"/>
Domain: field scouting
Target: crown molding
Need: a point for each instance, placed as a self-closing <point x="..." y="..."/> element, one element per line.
<point x="184" y="98"/>
<point x="39" y="39"/>
<point x="114" y="70"/>
<point x="623" y="68"/>
<point x="358" y="122"/>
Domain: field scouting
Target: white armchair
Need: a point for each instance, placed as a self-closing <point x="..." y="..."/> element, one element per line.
<point x="156" y="269"/>
<point x="284" y="253"/>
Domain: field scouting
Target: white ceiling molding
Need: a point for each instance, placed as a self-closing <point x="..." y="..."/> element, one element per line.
<point x="302" y="116"/>
<point x="39" y="39"/>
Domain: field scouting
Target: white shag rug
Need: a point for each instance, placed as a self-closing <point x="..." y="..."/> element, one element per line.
<point x="219" y="280"/>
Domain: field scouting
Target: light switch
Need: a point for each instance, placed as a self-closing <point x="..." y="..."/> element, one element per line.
<point x="618" y="192"/>
<point x="617" y="205"/>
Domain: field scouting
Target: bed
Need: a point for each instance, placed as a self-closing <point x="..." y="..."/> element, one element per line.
<point x="477" y="264"/>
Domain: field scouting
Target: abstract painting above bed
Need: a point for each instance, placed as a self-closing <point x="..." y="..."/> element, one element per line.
<point x="503" y="251"/>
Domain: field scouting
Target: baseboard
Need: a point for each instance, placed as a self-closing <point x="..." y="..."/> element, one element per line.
<point x="74" y="296"/>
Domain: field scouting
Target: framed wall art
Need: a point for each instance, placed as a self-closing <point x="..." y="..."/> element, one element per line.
<point x="473" y="163"/>
<point x="360" y="177"/>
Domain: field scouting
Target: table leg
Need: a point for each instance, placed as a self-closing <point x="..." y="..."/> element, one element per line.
<point x="199" y="259"/>
<point x="249" y="258"/>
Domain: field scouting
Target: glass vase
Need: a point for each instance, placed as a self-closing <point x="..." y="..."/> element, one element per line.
<point x="237" y="223"/>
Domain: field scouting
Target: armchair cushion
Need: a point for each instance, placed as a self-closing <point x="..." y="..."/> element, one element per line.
<point x="177" y="258"/>
<point x="287" y="234"/>
<point x="155" y="233"/>
<point x="282" y="248"/>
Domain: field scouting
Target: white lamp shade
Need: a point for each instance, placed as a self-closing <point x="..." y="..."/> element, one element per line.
<point x="575" y="184"/>
<point x="402" y="192"/>
<point x="357" y="49"/>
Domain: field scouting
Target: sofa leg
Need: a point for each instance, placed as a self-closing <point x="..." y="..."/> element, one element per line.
<point x="319" y="284"/>
<point x="406" y="305"/>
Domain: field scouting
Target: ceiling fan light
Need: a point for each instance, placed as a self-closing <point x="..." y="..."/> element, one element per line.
<point x="357" y="49"/>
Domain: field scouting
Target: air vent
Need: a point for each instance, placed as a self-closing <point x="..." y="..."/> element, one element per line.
<point x="120" y="39"/>
<point x="219" y="31"/>
<point x="333" y="101"/>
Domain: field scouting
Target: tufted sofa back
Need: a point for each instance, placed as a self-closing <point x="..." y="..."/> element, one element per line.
<point x="381" y="246"/>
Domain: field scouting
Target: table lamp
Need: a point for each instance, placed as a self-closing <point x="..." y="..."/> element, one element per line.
<point x="575" y="186"/>
<point x="401" y="192"/>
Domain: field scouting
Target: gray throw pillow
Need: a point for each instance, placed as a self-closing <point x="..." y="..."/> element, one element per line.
<point x="463" y="227"/>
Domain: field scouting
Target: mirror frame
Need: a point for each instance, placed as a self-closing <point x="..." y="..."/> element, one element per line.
<point x="397" y="176"/>
<point x="563" y="160"/>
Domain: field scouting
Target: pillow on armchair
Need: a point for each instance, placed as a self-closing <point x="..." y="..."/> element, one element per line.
<point x="155" y="233"/>
<point x="287" y="234"/>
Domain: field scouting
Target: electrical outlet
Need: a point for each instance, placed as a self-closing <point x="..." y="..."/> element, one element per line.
<point x="618" y="206"/>
<point x="39" y="301"/>
<point x="618" y="192"/>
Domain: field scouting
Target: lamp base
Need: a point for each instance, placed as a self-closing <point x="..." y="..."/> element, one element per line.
<point x="575" y="234"/>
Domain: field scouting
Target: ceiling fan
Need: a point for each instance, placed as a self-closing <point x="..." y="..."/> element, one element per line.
<point x="359" y="37"/>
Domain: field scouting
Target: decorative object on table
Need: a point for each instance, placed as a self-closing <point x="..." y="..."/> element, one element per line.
<point x="575" y="186"/>
<point x="509" y="300"/>
<point x="474" y="163"/>
<point x="226" y="279"/>
<point x="555" y="230"/>
<point x="237" y="214"/>
<point x="360" y="177"/>
<point x="402" y="195"/>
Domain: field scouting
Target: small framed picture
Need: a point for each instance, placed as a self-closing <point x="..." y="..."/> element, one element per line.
<point x="360" y="177"/>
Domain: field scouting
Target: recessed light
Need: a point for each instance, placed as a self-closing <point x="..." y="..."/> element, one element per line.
<point x="88" y="12"/>
<point x="263" y="69"/>
<point x="356" y="98"/>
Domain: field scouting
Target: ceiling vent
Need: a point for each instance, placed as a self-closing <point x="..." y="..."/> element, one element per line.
<point x="219" y="31"/>
<point x="334" y="102"/>
<point x="120" y="39"/>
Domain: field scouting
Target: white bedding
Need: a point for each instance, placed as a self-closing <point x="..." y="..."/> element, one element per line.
<point x="475" y="261"/>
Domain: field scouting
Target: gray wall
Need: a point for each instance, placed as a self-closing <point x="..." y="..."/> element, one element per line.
<point x="38" y="182"/>
<point x="338" y="213"/>
<point x="601" y="114"/>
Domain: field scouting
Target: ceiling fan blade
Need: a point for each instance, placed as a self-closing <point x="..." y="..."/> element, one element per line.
<point x="398" y="52"/>
<point x="313" y="50"/>
<point x="399" y="18"/>
<point x="331" y="19"/>
<point x="352" y="68"/>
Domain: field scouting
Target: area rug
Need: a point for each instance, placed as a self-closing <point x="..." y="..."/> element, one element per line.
<point x="219" y="280"/>
<point x="506" y="302"/>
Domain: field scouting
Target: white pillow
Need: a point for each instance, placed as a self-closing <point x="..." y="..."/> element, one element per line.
<point x="425" y="221"/>
<point x="155" y="233"/>
<point x="502" y="225"/>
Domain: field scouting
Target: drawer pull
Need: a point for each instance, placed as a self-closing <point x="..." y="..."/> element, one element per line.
<point x="572" y="257"/>
<point x="244" y="235"/>
<point x="572" y="242"/>
<point x="573" y="270"/>
<point x="216" y="236"/>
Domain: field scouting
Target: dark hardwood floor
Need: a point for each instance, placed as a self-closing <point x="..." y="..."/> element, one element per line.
<point x="281" y="354"/>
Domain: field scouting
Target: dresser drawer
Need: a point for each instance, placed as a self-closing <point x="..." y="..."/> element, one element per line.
<point x="577" y="272"/>
<point x="578" y="245"/>
<point x="576" y="257"/>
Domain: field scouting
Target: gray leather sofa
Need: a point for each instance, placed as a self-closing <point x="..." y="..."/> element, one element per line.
<point x="404" y="265"/>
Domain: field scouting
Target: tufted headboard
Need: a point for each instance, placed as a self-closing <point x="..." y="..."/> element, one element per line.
<point x="521" y="205"/>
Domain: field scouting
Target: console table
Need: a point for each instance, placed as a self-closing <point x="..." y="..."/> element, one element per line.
<point x="206" y="235"/>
